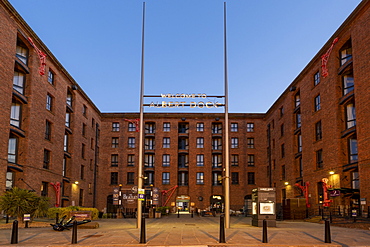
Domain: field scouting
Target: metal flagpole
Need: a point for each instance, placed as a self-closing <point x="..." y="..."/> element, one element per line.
<point x="226" y="128"/>
<point x="140" y="167"/>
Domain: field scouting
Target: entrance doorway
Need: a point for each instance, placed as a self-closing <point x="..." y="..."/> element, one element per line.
<point x="183" y="203"/>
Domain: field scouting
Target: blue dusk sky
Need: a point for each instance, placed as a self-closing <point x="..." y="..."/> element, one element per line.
<point x="269" y="42"/>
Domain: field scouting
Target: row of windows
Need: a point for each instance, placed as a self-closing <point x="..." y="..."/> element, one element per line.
<point x="183" y="127"/>
<point x="182" y="178"/>
<point x="183" y="160"/>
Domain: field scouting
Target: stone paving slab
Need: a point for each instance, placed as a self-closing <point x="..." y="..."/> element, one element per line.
<point x="188" y="231"/>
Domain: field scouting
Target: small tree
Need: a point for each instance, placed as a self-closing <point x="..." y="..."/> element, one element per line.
<point x="17" y="202"/>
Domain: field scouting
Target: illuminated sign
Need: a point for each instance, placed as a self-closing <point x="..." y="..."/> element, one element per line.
<point x="181" y="100"/>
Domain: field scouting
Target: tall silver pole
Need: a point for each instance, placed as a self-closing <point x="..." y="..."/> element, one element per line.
<point x="141" y="129"/>
<point x="226" y="128"/>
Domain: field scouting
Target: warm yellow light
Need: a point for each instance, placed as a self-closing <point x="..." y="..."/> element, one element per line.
<point x="76" y="182"/>
<point x="332" y="172"/>
<point x="286" y="183"/>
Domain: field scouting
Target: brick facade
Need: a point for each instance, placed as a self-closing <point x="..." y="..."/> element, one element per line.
<point x="318" y="125"/>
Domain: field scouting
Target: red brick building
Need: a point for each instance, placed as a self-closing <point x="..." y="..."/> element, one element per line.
<point x="311" y="142"/>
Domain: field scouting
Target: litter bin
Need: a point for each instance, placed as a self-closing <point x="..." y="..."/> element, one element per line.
<point x="158" y="215"/>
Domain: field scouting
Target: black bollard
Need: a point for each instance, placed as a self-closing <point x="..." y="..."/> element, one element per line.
<point x="222" y="229"/>
<point x="142" y="231"/>
<point x="368" y="211"/>
<point x="26" y="224"/>
<point x="192" y="214"/>
<point x="7" y="219"/>
<point x="14" y="239"/>
<point x="264" y="232"/>
<point x="330" y="217"/>
<point x="327" y="232"/>
<point x="178" y="213"/>
<point x="56" y="218"/>
<point x="74" y="233"/>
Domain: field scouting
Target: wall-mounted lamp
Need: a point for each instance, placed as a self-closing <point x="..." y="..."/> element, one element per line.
<point x="76" y="182"/>
<point x="332" y="172"/>
<point x="217" y="119"/>
<point x="286" y="183"/>
<point x="183" y="119"/>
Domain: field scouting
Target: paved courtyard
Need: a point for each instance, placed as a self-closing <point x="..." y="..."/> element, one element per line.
<point x="188" y="231"/>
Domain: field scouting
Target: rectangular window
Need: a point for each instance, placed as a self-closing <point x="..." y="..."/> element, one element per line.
<point x="200" y="142"/>
<point x="166" y="160"/>
<point x="297" y="100"/>
<point x="44" y="189"/>
<point x="350" y="115"/>
<point x="115" y="142"/>
<point x="234" y="142"/>
<point x="235" y="178"/>
<point x="68" y="120"/>
<point x="298" y="120"/>
<point x="348" y="83"/>
<point x="82" y="172"/>
<point x="64" y="166"/>
<point x="130" y="178"/>
<point x="9" y="180"/>
<point x="317" y="103"/>
<point x="234" y="127"/>
<point x="200" y="178"/>
<point x="48" y="130"/>
<point x="183" y="178"/>
<point x="282" y="150"/>
<point x="316" y="78"/>
<point x="51" y="77"/>
<point x="114" y="178"/>
<point x="22" y="52"/>
<point x="200" y="127"/>
<point x="250" y="158"/>
<point x="251" y="178"/>
<point x="165" y="178"/>
<point x="149" y="180"/>
<point x="346" y="53"/>
<point x="183" y="143"/>
<point x="319" y="159"/>
<point x="250" y="127"/>
<point x="15" y="114"/>
<point x="318" y="131"/>
<point x="183" y="128"/>
<point x="18" y="82"/>
<point x="130" y="160"/>
<point x="216" y="178"/>
<point x="299" y="143"/>
<point x="216" y="128"/>
<point x="166" y="127"/>
<point x="114" y="160"/>
<point x="281" y="110"/>
<point x="200" y="160"/>
<point x="69" y="99"/>
<point x="283" y="172"/>
<point x="46" y="163"/>
<point x="83" y="148"/>
<point x="115" y="126"/>
<point x="353" y="151"/>
<point x="355" y="180"/>
<point x="66" y="142"/>
<point x="216" y="160"/>
<point x="216" y="144"/>
<point x="183" y="160"/>
<point x="131" y="127"/>
<point x="166" y="142"/>
<point x="234" y="160"/>
<point x="282" y="130"/>
<point x="250" y="142"/>
<point x="149" y="128"/>
<point x="300" y="166"/>
<point x="149" y="143"/>
<point x="149" y="160"/>
<point x="83" y="129"/>
<point x="49" y="102"/>
<point x="131" y="142"/>
<point x="84" y="110"/>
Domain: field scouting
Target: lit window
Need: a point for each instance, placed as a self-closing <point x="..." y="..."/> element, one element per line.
<point x="200" y="178"/>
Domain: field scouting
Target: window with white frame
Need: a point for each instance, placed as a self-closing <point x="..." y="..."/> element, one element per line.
<point x="131" y="142"/>
<point x="115" y="126"/>
<point x="234" y="127"/>
<point x="200" y="159"/>
<point x="200" y="142"/>
<point x="19" y="81"/>
<point x="200" y="127"/>
<point x="166" y="127"/>
<point x="166" y="142"/>
<point x="166" y="160"/>
<point x="250" y="127"/>
<point x="165" y="178"/>
<point x="234" y="142"/>
<point x="200" y="178"/>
